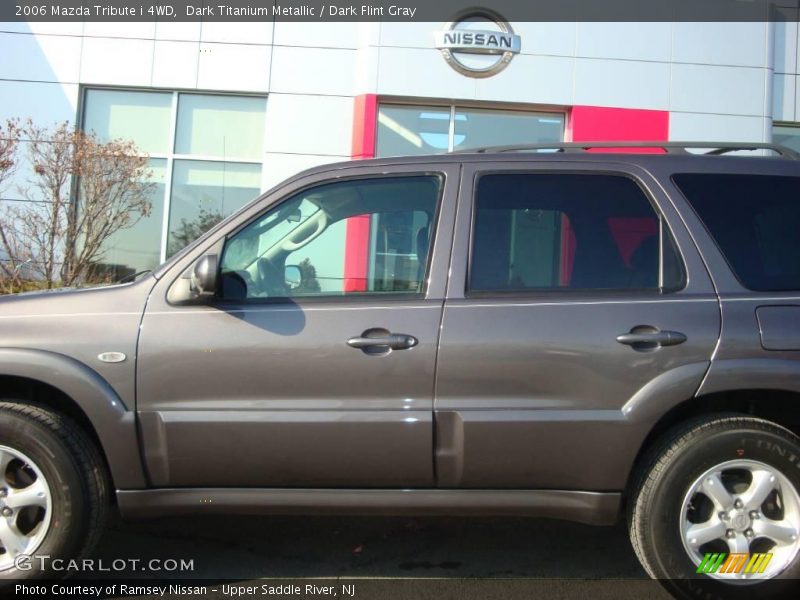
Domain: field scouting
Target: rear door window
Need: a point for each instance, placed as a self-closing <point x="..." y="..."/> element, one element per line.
<point x="755" y="222"/>
<point x="569" y="231"/>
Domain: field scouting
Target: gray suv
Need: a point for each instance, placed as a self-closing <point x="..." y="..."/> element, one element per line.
<point x="571" y="334"/>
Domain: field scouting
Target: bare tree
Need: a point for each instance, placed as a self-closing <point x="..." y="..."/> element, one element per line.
<point x="9" y="140"/>
<point x="81" y="192"/>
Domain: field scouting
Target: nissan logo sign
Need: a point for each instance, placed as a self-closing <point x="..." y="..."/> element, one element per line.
<point x="479" y="44"/>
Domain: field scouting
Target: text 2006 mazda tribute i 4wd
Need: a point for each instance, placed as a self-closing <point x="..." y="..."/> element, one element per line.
<point x="573" y="334"/>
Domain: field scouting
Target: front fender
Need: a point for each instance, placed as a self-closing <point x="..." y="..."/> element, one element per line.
<point x="114" y="423"/>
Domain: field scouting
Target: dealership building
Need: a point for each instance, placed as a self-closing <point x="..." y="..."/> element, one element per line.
<point x="227" y="110"/>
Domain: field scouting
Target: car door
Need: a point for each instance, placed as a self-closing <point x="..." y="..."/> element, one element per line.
<point x="313" y="363"/>
<point x="578" y="312"/>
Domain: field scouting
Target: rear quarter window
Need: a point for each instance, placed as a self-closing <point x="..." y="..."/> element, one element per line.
<point x="755" y="222"/>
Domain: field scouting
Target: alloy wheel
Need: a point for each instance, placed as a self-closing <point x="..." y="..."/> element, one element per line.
<point x="742" y="507"/>
<point x="25" y="506"/>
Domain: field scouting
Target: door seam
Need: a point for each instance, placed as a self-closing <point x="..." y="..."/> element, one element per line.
<point x="434" y="428"/>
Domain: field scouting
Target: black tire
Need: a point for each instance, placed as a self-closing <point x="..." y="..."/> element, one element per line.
<point x="664" y="479"/>
<point x="75" y="474"/>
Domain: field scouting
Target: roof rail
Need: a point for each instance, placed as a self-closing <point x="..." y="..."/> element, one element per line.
<point x="712" y="148"/>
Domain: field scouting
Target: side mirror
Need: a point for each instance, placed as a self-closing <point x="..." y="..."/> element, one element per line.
<point x="293" y="277"/>
<point x="204" y="276"/>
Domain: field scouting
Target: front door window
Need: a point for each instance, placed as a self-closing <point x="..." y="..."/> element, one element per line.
<point x="367" y="236"/>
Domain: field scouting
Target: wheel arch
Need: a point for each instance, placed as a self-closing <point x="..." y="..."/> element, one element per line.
<point x="767" y="403"/>
<point x="70" y="387"/>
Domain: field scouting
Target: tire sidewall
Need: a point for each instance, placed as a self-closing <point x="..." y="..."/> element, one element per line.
<point x="689" y="463"/>
<point x="67" y="491"/>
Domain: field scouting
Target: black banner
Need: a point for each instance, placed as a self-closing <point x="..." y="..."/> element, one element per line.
<point x="396" y="10"/>
<point x="393" y="588"/>
<point x="336" y="588"/>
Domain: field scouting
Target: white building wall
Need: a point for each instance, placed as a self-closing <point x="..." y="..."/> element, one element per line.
<point x="310" y="106"/>
<point x="715" y="79"/>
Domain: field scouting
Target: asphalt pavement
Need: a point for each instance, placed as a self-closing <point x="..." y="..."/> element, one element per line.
<point x="391" y="557"/>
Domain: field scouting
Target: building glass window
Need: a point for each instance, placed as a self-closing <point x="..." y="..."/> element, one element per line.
<point x="206" y="156"/>
<point x="224" y="126"/>
<point x="143" y="117"/>
<point x="204" y="193"/>
<point x="787" y="135"/>
<point x="413" y="130"/>
<point x="137" y="248"/>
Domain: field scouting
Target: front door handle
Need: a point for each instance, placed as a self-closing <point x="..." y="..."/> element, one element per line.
<point x="648" y="338"/>
<point x="383" y="341"/>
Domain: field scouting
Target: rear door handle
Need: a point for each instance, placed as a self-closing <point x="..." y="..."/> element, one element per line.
<point x="390" y="341"/>
<point x="643" y="338"/>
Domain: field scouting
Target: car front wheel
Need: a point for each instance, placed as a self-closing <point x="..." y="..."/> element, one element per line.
<point x="53" y="491"/>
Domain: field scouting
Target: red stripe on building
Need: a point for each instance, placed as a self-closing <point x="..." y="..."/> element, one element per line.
<point x="603" y="124"/>
<point x="356" y="253"/>
<point x="365" y="122"/>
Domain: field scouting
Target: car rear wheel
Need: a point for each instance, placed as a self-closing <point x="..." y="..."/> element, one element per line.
<point x="53" y="490"/>
<point x="716" y="507"/>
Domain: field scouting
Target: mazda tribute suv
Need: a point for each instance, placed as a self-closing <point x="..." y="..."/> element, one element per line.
<point x="571" y="334"/>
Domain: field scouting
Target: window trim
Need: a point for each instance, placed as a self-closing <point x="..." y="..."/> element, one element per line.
<point x="572" y="293"/>
<point x="333" y="299"/>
